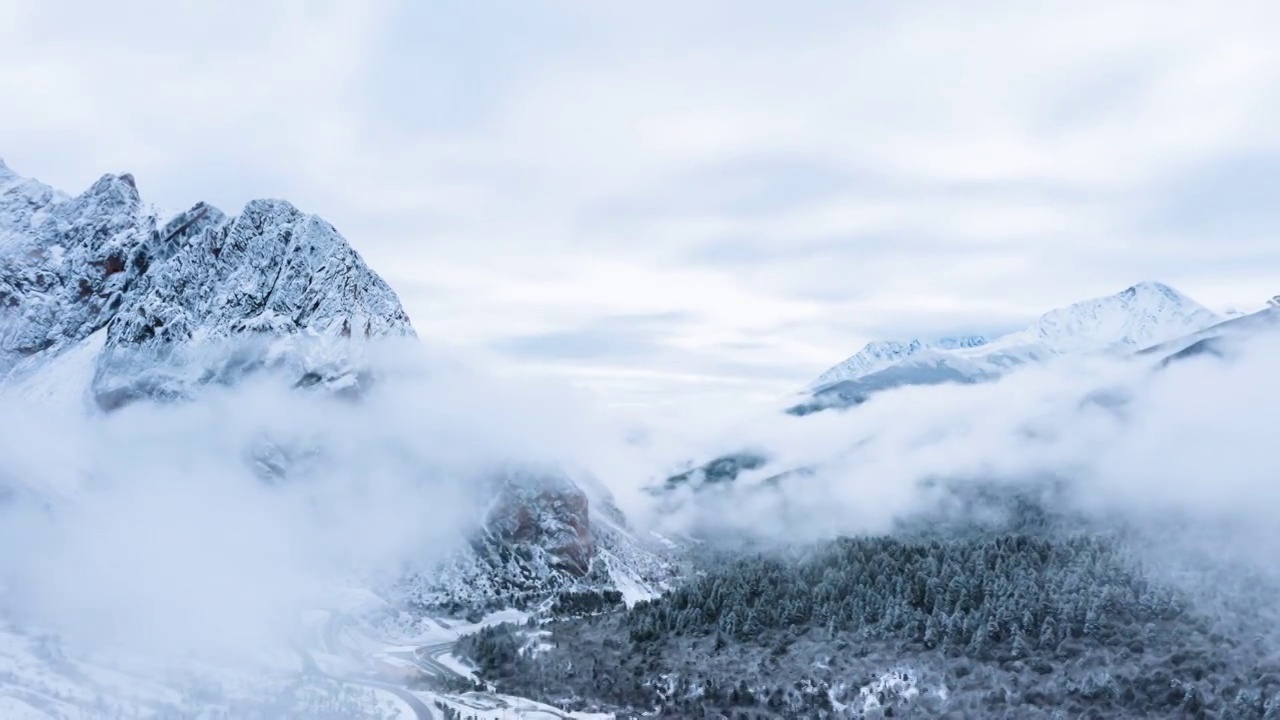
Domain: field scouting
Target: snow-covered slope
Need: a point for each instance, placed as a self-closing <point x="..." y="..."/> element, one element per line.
<point x="1139" y="316"/>
<point x="880" y="354"/>
<point x="1220" y="340"/>
<point x="1136" y="317"/>
<point x="926" y="367"/>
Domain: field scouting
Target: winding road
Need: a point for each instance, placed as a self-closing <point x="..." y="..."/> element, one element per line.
<point x="415" y="703"/>
<point x="425" y="658"/>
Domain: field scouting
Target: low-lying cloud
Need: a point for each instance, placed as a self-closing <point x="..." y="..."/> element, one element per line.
<point x="1195" y="439"/>
<point x="211" y="525"/>
<point x="167" y="528"/>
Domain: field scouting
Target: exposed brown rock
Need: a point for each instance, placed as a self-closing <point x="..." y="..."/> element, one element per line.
<point x="550" y="513"/>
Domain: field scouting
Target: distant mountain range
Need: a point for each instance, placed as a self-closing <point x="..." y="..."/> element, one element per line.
<point x="880" y="354"/>
<point x="1149" y="321"/>
<point x="1137" y="317"/>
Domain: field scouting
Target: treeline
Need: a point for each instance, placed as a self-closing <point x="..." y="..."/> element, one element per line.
<point x="573" y="603"/>
<point x="998" y="597"/>
<point x="496" y="650"/>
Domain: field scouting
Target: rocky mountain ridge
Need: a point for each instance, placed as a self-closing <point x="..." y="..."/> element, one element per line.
<point x="545" y="534"/>
<point x="174" y="297"/>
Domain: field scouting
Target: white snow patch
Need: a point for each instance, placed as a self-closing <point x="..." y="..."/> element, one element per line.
<point x="633" y="589"/>
<point x="391" y="707"/>
<point x="58" y="385"/>
<point x="41" y="677"/>
<point x="492" y="706"/>
<point x="535" y="643"/>
<point x="666" y="541"/>
<point x="895" y="683"/>
<point x="456" y="664"/>
<point x="433" y="631"/>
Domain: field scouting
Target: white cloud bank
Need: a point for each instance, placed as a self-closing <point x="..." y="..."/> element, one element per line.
<point x="149" y="528"/>
<point x="1194" y="440"/>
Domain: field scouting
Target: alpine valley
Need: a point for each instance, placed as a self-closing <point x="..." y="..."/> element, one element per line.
<point x="237" y="483"/>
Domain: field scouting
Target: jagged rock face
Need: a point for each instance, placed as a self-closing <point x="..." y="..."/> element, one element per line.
<point x="272" y="270"/>
<point x="272" y="278"/>
<point x="541" y="533"/>
<point x="205" y="298"/>
<point x="549" y="512"/>
<point x="24" y="204"/>
<point x="65" y="264"/>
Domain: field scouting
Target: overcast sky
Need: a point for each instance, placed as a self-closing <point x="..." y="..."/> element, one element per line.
<point x="675" y="199"/>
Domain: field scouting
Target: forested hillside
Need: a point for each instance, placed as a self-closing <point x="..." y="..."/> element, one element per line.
<point x="1003" y="625"/>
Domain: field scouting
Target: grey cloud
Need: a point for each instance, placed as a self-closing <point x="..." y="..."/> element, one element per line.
<point x="613" y="349"/>
<point x="747" y="188"/>
<point x="1226" y="199"/>
<point x="843" y="248"/>
<point x="446" y="68"/>
<point x="741" y="186"/>
<point x="933" y="324"/>
<point x="585" y="344"/>
<point x="1101" y="91"/>
<point x="628" y="338"/>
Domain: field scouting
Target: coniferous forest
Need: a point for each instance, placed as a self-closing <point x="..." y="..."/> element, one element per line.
<point x="995" y="625"/>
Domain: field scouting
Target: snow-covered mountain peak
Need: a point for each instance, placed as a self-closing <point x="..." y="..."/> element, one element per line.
<point x="879" y="354"/>
<point x="112" y="199"/>
<point x="1151" y="287"/>
<point x="1153" y="291"/>
<point x="874" y="355"/>
<point x="1138" y="316"/>
<point x="24" y="204"/>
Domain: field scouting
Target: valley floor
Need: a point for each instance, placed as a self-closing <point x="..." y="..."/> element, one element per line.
<point x="352" y="660"/>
